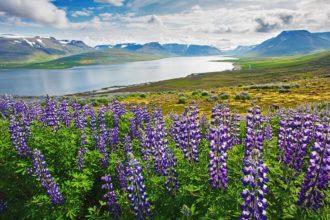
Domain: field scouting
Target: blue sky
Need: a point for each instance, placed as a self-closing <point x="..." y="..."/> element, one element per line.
<point x="222" y="23"/>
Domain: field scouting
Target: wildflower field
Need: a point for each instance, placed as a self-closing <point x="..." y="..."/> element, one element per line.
<point x="60" y="159"/>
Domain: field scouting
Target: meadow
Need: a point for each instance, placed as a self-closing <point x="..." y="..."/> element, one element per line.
<point x="79" y="159"/>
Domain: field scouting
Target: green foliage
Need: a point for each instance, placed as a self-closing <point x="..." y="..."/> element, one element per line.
<point x="84" y="197"/>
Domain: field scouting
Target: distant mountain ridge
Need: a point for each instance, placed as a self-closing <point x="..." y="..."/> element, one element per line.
<point x="166" y="49"/>
<point x="289" y="43"/>
<point x="20" y="48"/>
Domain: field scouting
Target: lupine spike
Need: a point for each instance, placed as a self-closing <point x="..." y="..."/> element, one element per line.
<point x="317" y="177"/>
<point x="48" y="183"/>
<point x="110" y="197"/>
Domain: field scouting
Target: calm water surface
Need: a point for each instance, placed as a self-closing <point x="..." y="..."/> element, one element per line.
<point x="28" y="82"/>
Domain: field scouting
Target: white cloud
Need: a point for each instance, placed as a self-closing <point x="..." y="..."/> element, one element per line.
<point x="84" y="12"/>
<point x="39" y="11"/>
<point x="112" y="2"/>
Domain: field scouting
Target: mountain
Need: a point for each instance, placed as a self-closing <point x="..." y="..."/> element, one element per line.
<point x="173" y="49"/>
<point x="239" y="50"/>
<point x="292" y="43"/>
<point x="20" y="49"/>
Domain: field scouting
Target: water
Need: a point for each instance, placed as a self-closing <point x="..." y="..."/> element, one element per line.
<point x="35" y="82"/>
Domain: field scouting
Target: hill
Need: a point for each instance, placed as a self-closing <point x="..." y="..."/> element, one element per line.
<point x="290" y="43"/>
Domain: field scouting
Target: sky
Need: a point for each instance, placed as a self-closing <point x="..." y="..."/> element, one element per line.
<point x="221" y="23"/>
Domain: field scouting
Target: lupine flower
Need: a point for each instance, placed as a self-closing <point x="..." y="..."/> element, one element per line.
<point x="254" y="133"/>
<point x="50" y="114"/>
<point x="190" y="134"/>
<point x="101" y="146"/>
<point x="136" y="189"/>
<point x="48" y="183"/>
<point x="268" y="131"/>
<point x="117" y="110"/>
<point x="113" y="138"/>
<point x="219" y="144"/>
<point x="317" y="177"/>
<point x="19" y="137"/>
<point x="146" y="143"/>
<point x="255" y="178"/>
<point x="172" y="182"/>
<point x="295" y="137"/>
<point x="121" y="175"/>
<point x="110" y="196"/>
<point x="255" y="170"/>
<point x="159" y="148"/>
<point x="64" y="113"/>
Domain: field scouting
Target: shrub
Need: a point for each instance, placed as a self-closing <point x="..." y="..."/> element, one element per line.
<point x="242" y="96"/>
<point x="182" y="100"/>
<point x="143" y="95"/>
<point x="223" y="95"/>
<point x="205" y="93"/>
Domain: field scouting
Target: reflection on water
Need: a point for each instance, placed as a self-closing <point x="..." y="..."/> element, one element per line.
<point x="86" y="78"/>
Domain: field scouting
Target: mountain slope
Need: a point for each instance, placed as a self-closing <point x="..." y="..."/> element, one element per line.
<point x="292" y="43"/>
<point x="20" y="49"/>
<point x="97" y="57"/>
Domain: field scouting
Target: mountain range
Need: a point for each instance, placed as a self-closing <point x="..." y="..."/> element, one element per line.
<point x="29" y="50"/>
<point x="172" y="49"/>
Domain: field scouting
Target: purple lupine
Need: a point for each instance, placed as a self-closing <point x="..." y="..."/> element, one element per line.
<point x="50" y="114"/>
<point x="255" y="178"/>
<point x="19" y="137"/>
<point x="117" y="110"/>
<point x="40" y="170"/>
<point x="79" y="122"/>
<point x="136" y="189"/>
<point x="64" y="113"/>
<point x="254" y="132"/>
<point x="317" y="177"/>
<point x="255" y="170"/>
<point x="172" y="182"/>
<point x="101" y="146"/>
<point x="219" y="144"/>
<point x="113" y="138"/>
<point x="35" y="112"/>
<point x="220" y="115"/>
<point x="110" y="197"/>
<point x="93" y="121"/>
<point x="298" y="135"/>
<point x="159" y="147"/>
<point x="146" y="143"/>
<point x="190" y="134"/>
<point x="121" y="175"/>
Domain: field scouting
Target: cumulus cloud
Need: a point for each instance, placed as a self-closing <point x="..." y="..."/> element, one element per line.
<point x="39" y="11"/>
<point x="112" y="2"/>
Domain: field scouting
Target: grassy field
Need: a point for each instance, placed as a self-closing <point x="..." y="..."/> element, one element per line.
<point x="286" y="82"/>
